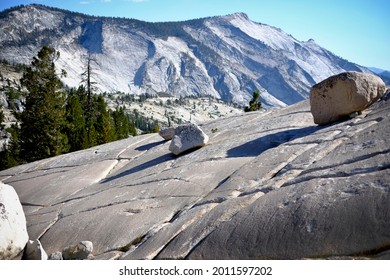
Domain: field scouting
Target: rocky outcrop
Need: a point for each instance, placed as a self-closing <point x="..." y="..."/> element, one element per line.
<point x="80" y="251"/>
<point x="268" y="185"/>
<point x="187" y="137"/>
<point x="34" y="251"/>
<point x="13" y="231"/>
<point x="56" y="256"/>
<point x="167" y="133"/>
<point x="340" y="95"/>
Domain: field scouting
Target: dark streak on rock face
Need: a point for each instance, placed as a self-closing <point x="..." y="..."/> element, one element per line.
<point x="3" y="212"/>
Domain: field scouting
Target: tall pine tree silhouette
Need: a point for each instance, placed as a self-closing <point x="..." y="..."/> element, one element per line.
<point x="44" y="113"/>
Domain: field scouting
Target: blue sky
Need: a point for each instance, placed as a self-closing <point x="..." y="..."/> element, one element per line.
<point x="357" y="30"/>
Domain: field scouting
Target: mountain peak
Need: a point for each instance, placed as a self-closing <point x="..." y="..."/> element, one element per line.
<point x="227" y="57"/>
<point x="241" y="15"/>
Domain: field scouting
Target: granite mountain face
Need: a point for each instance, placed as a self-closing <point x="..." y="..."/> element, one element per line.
<point x="227" y="57"/>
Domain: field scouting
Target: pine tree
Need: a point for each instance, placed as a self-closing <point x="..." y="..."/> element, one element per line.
<point x="10" y="155"/>
<point x="104" y="124"/>
<point x="155" y="128"/>
<point x="90" y="106"/>
<point x="121" y="123"/>
<point x="75" y="122"/>
<point x="254" y="104"/>
<point x="132" y="129"/>
<point x="89" y="86"/>
<point x="44" y="113"/>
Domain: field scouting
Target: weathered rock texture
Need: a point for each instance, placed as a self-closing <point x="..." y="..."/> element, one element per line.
<point x="343" y="94"/>
<point x="56" y="256"/>
<point x="268" y="185"/>
<point x="79" y="251"/>
<point x="34" y="251"/>
<point x="187" y="137"/>
<point x="13" y="230"/>
<point x="167" y="133"/>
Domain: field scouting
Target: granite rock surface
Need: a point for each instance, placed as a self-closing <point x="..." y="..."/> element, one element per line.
<point x="268" y="185"/>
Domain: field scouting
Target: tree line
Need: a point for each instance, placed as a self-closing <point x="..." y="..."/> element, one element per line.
<point x="57" y="120"/>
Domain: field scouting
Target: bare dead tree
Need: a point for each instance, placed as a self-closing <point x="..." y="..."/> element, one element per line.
<point x="87" y="80"/>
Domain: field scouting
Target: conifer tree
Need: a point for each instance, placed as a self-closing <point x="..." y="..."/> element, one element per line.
<point x="75" y="122"/>
<point x="89" y="86"/>
<point x="89" y="104"/>
<point x="42" y="119"/>
<point x="254" y="104"/>
<point x="10" y="155"/>
<point x="121" y="123"/>
<point x="132" y="129"/>
<point x="104" y="125"/>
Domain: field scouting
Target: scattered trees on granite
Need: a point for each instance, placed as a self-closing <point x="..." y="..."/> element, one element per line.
<point x="56" y="120"/>
<point x="123" y="123"/>
<point x="91" y="123"/>
<point x="52" y="119"/>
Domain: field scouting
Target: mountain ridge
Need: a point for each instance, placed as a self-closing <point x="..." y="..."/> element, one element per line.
<point x="226" y="57"/>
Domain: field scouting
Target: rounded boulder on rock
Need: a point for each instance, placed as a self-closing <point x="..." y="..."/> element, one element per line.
<point x="338" y="96"/>
<point x="167" y="133"/>
<point x="187" y="137"/>
<point x="13" y="229"/>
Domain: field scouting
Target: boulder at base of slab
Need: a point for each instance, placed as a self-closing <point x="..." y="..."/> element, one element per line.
<point x="13" y="230"/>
<point x="343" y="94"/>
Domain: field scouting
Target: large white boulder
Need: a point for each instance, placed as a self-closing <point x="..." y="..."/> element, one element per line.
<point x="343" y="94"/>
<point x="13" y="230"/>
<point x="187" y="137"/>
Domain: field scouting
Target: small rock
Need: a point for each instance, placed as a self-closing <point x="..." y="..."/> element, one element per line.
<point x="13" y="230"/>
<point x="354" y="115"/>
<point x="56" y="256"/>
<point x="342" y="94"/>
<point x="386" y="95"/>
<point x="187" y="136"/>
<point x="167" y="133"/>
<point x="34" y="251"/>
<point x="80" y="251"/>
